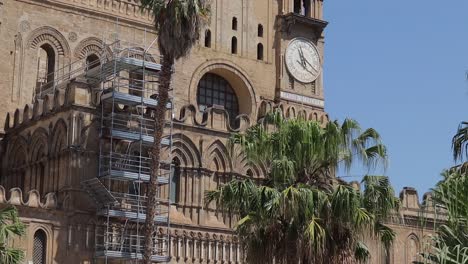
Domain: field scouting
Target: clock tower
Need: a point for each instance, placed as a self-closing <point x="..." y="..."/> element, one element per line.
<point x="300" y="54"/>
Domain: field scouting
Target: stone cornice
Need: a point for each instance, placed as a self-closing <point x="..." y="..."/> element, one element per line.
<point x="128" y="12"/>
<point x="293" y="18"/>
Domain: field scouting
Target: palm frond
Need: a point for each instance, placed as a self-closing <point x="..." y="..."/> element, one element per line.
<point x="460" y="142"/>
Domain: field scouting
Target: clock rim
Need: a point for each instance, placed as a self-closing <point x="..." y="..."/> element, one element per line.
<point x="318" y="55"/>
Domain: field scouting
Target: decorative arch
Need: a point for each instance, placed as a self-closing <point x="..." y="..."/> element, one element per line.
<point x="90" y="46"/>
<point x="237" y="78"/>
<point x="51" y="36"/>
<point x="39" y="146"/>
<point x="38" y="171"/>
<point x="244" y="167"/>
<point x="217" y="157"/>
<point x="302" y="114"/>
<point x="264" y="109"/>
<point x="17" y="151"/>
<point x="291" y="112"/>
<point x="412" y="248"/>
<point x="186" y="151"/>
<point x="314" y="116"/>
<point x="59" y="137"/>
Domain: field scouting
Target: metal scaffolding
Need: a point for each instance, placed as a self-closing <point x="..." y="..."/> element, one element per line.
<point x="127" y="80"/>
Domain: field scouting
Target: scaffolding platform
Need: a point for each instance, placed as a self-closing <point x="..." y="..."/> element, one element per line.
<point x="132" y="216"/>
<point x="118" y="64"/>
<point x="135" y="136"/>
<point x="131" y="127"/>
<point x="131" y="176"/>
<point x="118" y="97"/>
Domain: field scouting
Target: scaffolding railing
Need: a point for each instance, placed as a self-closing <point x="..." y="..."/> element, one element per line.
<point x="124" y="166"/>
<point x="118" y="243"/>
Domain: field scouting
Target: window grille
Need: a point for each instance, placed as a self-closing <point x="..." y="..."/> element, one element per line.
<point x="39" y="250"/>
<point x="215" y="90"/>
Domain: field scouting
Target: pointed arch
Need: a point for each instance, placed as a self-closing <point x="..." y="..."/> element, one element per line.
<point x="59" y="137"/>
<point x="217" y="157"/>
<point x="38" y="171"/>
<point x="17" y="153"/>
<point x="313" y="116"/>
<point x="291" y="112"/>
<point x="242" y="165"/>
<point x="186" y="151"/>
<point x="39" y="145"/>
<point x="302" y="114"/>
<point x="412" y="247"/>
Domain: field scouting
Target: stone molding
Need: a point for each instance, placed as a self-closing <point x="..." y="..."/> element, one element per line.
<point x="51" y="36"/>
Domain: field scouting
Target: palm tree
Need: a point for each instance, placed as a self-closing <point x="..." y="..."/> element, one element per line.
<point x="301" y="213"/>
<point x="450" y="244"/>
<point x="10" y="226"/>
<point x="460" y="142"/>
<point x="178" y="24"/>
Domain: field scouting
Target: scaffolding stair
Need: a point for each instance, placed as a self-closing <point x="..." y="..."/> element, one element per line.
<point x="100" y="194"/>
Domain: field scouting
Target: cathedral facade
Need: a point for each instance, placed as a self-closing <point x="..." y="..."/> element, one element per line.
<point x="252" y="57"/>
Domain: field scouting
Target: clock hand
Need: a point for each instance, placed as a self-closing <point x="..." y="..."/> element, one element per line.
<point x="313" y="68"/>
<point x="302" y="64"/>
<point x="301" y="54"/>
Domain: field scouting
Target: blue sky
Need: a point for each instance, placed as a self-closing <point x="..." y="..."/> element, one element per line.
<point x="400" y="67"/>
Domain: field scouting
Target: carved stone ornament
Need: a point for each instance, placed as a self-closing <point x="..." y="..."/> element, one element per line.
<point x="72" y="36"/>
<point x="24" y="26"/>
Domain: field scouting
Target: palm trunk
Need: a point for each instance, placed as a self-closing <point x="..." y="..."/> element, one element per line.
<point x="159" y="123"/>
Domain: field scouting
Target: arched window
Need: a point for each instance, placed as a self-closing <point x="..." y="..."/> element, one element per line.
<point x="175" y="179"/>
<point x="92" y="61"/>
<point x="40" y="246"/>
<point x="234" y="23"/>
<point x="208" y="38"/>
<point x="260" y="51"/>
<point x="46" y="66"/>
<point x="260" y="30"/>
<point x="234" y="45"/>
<point x="215" y="90"/>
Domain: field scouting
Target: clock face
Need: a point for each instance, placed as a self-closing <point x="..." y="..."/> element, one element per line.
<point x="303" y="60"/>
